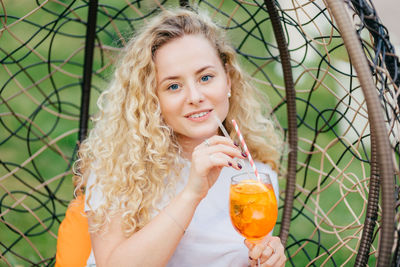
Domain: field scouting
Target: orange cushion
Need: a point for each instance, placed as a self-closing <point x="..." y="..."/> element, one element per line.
<point x="73" y="242"/>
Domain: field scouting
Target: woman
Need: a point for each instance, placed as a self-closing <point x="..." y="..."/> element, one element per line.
<point x="156" y="169"/>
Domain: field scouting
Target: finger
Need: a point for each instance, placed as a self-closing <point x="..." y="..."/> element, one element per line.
<point x="277" y="253"/>
<point x="281" y="262"/>
<point x="253" y="263"/>
<point x="266" y="254"/>
<point x="217" y="139"/>
<point x="271" y="245"/>
<point x="273" y="260"/>
<point x="249" y="244"/>
<point x="224" y="154"/>
<point x="274" y="242"/>
<point x="222" y="160"/>
<point x="232" y="152"/>
<point x="213" y="141"/>
<point x="256" y="252"/>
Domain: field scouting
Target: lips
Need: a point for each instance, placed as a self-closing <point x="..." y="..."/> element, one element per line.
<point x="198" y="114"/>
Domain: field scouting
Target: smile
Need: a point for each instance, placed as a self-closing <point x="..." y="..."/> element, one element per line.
<point x="198" y="115"/>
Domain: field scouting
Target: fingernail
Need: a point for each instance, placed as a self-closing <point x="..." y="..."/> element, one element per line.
<point x="235" y="143"/>
<point x="244" y="155"/>
<point x="239" y="166"/>
<point x="230" y="164"/>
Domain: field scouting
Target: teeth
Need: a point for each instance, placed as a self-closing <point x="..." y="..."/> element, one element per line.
<point x="198" y="115"/>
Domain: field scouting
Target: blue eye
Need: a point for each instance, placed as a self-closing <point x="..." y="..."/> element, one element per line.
<point x="206" y="78"/>
<point x="174" y="87"/>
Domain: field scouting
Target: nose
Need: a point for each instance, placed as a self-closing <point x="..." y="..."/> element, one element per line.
<point x="195" y="95"/>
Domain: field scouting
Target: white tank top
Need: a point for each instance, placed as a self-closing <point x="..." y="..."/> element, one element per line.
<point x="210" y="240"/>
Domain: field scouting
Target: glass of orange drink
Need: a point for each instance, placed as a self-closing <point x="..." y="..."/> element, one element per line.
<point x="252" y="205"/>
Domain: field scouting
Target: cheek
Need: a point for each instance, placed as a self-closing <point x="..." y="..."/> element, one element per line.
<point x="222" y="97"/>
<point x="169" y="109"/>
<point x="166" y="111"/>
<point x="221" y="102"/>
<point x="226" y="107"/>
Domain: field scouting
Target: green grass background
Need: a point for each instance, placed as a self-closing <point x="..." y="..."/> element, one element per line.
<point x="56" y="40"/>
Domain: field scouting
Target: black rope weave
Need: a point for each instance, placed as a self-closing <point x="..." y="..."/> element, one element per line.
<point x="46" y="65"/>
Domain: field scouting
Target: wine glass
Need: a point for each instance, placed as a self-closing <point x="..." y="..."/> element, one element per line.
<point x="252" y="206"/>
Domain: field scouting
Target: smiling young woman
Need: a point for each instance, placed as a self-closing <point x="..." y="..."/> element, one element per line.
<point x="155" y="169"/>
<point x="192" y="84"/>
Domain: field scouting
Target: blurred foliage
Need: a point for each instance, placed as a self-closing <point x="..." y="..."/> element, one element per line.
<point x="42" y="57"/>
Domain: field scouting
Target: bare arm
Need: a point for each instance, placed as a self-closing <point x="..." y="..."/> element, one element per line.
<point x="154" y="244"/>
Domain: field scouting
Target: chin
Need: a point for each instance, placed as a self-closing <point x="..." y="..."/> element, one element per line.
<point x="200" y="135"/>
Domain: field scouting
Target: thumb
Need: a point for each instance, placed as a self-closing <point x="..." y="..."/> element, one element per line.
<point x="250" y="245"/>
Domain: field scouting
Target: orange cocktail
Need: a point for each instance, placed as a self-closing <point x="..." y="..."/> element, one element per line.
<point x="253" y="208"/>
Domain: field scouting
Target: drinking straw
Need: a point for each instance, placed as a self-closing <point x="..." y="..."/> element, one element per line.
<point x="246" y="150"/>
<point x="221" y="126"/>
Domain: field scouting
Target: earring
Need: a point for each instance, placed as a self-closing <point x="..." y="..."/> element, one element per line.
<point x="229" y="94"/>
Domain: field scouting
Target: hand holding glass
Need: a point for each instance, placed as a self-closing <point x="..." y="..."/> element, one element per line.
<point x="253" y="206"/>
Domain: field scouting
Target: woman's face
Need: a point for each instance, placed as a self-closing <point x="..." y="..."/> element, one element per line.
<point x="192" y="87"/>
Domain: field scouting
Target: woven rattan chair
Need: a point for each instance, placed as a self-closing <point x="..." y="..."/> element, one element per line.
<point x="330" y="71"/>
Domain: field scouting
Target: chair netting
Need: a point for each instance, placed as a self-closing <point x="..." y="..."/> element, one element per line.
<point x="57" y="56"/>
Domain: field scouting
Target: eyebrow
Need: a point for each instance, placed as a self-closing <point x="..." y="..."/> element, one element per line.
<point x="197" y="72"/>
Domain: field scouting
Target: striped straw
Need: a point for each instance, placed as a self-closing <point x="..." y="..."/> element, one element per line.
<point x="246" y="150"/>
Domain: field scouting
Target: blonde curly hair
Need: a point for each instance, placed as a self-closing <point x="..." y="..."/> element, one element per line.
<point x="133" y="153"/>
